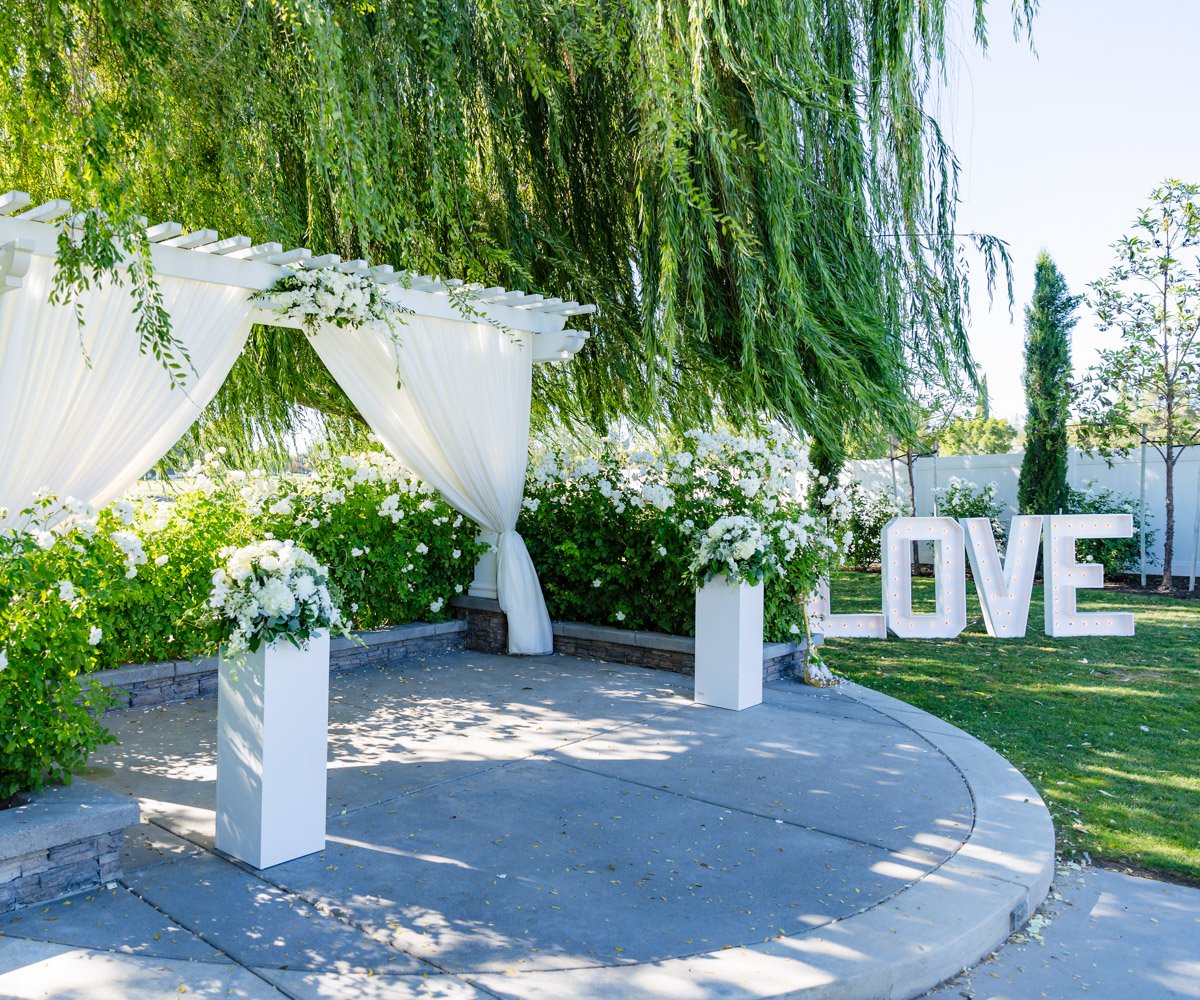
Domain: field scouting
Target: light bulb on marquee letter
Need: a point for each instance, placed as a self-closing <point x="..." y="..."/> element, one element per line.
<point x="1064" y="575"/>
<point x="835" y="626"/>
<point x="949" y="567"/>
<point x="1004" y="592"/>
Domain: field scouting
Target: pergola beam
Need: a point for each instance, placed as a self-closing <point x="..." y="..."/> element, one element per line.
<point x="13" y="201"/>
<point x="202" y="255"/>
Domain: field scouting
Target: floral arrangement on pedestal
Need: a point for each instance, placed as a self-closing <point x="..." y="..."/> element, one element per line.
<point x="324" y="294"/>
<point x="271" y="590"/>
<point x="734" y="547"/>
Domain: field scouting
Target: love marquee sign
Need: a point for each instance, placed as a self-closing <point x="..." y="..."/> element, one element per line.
<point x="1004" y="588"/>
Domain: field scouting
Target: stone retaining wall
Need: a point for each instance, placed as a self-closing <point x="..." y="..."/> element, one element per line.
<point x="487" y="632"/>
<point x="480" y="625"/>
<point x="177" y="680"/>
<point x="676" y="653"/>
<point x="61" y="841"/>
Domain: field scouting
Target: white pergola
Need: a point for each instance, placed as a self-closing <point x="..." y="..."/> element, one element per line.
<point x="83" y="413"/>
<point x="202" y="255"/>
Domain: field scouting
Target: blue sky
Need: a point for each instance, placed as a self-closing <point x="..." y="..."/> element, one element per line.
<point x="1060" y="147"/>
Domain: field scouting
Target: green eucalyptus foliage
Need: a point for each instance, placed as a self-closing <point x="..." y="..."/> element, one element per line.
<point x="1049" y="318"/>
<point x="754" y="193"/>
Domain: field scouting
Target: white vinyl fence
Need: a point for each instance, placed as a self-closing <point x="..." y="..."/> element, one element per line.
<point x="1003" y="470"/>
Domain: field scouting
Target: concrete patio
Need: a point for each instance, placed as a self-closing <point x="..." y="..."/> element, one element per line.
<point x="554" y="828"/>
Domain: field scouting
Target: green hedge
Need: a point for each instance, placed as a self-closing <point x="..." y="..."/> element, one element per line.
<point x="131" y="584"/>
<point x="613" y="536"/>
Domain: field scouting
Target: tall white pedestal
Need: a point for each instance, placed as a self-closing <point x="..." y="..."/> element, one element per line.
<point x="729" y="644"/>
<point x="272" y="738"/>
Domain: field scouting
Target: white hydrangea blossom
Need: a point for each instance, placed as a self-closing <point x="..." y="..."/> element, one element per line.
<point x="730" y="547"/>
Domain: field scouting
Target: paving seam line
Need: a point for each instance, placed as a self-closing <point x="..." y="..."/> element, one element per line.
<point x="741" y="809"/>
<point x="321" y="908"/>
<point x="201" y="936"/>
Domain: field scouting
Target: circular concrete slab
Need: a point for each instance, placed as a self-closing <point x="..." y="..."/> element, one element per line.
<point x="555" y="827"/>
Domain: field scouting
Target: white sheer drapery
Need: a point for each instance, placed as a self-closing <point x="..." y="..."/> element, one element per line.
<point x="82" y="413"/>
<point x="459" y="418"/>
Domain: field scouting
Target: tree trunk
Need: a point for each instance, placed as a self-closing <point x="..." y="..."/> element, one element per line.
<point x="1169" y="533"/>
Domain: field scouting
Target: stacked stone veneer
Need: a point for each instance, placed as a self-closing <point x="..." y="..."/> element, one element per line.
<point x="487" y="632"/>
<point x="177" y="680"/>
<point x="64" y="840"/>
<point x="480" y="626"/>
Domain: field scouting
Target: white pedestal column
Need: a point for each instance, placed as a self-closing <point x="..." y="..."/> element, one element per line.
<point x="729" y="644"/>
<point x="272" y="739"/>
<point x="484" y="584"/>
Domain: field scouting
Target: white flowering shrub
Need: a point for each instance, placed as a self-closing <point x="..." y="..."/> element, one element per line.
<point x="1116" y="555"/>
<point x="317" y="294"/>
<point x="395" y="552"/>
<point x="870" y="510"/>
<point x="48" y="709"/>
<point x="615" y="535"/>
<point x="964" y="499"/>
<point x="271" y="590"/>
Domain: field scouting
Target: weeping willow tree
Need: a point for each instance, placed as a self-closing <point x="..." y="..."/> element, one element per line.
<point x="754" y="193"/>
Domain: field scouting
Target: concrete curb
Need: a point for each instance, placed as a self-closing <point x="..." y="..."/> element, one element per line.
<point x="900" y="948"/>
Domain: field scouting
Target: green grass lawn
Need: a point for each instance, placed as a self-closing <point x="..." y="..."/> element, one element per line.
<point x="1107" y="729"/>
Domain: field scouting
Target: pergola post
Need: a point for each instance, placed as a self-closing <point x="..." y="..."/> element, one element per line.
<point x="484" y="584"/>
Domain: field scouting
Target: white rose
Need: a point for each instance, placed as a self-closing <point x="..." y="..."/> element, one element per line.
<point x="95" y="636"/>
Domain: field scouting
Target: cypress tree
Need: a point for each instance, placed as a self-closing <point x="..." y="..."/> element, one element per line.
<point x="1049" y="318"/>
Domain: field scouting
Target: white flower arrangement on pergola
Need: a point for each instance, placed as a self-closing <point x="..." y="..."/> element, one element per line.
<point x="84" y="412"/>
